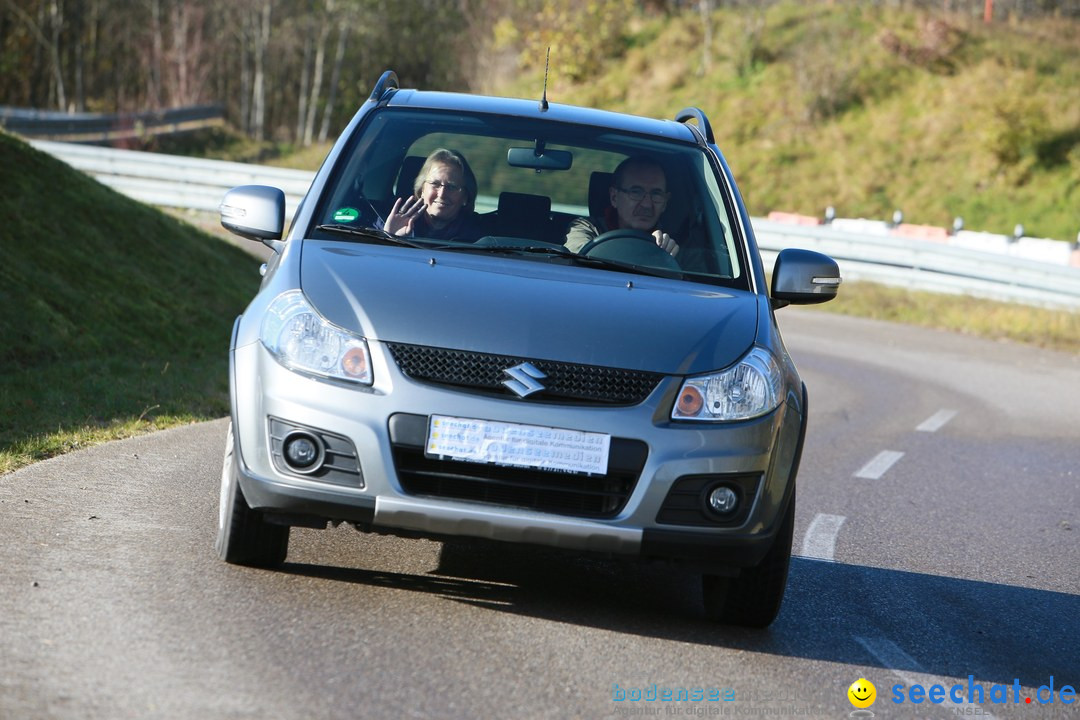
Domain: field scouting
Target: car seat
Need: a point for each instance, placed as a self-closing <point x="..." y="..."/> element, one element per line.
<point x="410" y="168"/>
<point x="600" y="193"/>
<point x="524" y="216"/>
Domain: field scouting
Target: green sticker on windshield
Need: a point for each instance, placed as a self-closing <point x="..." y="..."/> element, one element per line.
<point x="346" y="214"/>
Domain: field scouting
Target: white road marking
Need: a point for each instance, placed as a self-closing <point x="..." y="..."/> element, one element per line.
<point x="892" y="658"/>
<point x="936" y="421"/>
<point x="881" y="463"/>
<point x="820" y="539"/>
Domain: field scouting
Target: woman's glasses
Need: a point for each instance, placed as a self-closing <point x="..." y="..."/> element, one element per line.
<point x="449" y="186"/>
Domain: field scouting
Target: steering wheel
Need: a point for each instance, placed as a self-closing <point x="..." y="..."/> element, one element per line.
<point x="627" y="245"/>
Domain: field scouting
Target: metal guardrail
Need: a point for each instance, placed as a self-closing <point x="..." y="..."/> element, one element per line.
<point x="108" y="128"/>
<point x="930" y="266"/>
<point x="173" y="181"/>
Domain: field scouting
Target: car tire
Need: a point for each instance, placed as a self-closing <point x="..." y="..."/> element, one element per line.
<point x="753" y="598"/>
<point x="244" y="537"/>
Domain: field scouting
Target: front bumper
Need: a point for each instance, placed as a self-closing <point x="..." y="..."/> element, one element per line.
<point x="766" y="447"/>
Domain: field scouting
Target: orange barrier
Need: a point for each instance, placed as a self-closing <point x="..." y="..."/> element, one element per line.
<point x="922" y="232"/>
<point x="793" y="218"/>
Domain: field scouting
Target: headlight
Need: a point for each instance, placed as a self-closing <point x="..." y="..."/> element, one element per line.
<point x="750" y="388"/>
<point x="301" y="339"/>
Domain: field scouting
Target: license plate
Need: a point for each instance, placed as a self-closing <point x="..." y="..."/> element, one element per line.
<point x="532" y="446"/>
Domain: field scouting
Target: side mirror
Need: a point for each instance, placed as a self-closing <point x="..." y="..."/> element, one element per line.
<point x="256" y="212"/>
<point x="804" y="277"/>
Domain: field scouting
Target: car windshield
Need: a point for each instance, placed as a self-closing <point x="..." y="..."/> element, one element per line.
<point x="534" y="189"/>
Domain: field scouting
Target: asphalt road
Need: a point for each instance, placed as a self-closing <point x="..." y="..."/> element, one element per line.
<point x="938" y="530"/>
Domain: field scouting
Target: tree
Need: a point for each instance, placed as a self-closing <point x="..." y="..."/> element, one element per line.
<point x="335" y="78"/>
<point x="705" y="7"/>
<point x="261" y="39"/>
<point x="50" y="43"/>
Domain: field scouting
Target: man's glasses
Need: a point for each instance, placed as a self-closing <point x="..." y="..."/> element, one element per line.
<point x="450" y="187"/>
<point x="638" y="193"/>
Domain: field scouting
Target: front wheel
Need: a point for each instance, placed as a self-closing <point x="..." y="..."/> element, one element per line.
<point x="244" y="537"/>
<point x="753" y="598"/>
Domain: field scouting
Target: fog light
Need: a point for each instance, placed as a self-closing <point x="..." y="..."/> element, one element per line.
<point x="303" y="453"/>
<point x="723" y="500"/>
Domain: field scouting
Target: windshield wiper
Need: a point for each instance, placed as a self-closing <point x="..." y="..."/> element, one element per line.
<point x="555" y="251"/>
<point x="371" y="233"/>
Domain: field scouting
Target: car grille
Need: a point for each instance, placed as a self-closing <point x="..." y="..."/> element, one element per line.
<point x="565" y="382"/>
<point x="562" y="493"/>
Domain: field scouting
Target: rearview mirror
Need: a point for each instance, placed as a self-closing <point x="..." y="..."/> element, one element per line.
<point x="543" y="159"/>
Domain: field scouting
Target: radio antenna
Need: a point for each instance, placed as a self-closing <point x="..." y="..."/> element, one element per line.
<point x="543" y="100"/>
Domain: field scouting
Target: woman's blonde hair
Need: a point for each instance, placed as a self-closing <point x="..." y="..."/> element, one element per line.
<point x="442" y="156"/>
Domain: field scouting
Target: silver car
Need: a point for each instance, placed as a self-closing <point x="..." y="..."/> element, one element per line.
<point x="627" y="397"/>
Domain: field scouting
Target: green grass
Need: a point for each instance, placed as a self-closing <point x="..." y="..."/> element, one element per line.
<point x="226" y="143"/>
<point x="1051" y="329"/>
<point x="866" y="108"/>
<point x="116" y="316"/>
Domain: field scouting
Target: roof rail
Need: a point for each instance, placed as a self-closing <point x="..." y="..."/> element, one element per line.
<point x="693" y="113"/>
<point x="387" y="81"/>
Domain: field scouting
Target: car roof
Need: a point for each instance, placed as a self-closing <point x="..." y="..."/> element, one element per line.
<point x="555" y="112"/>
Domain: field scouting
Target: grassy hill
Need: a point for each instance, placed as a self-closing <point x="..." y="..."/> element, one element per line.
<point x="862" y="107"/>
<point x="856" y="105"/>
<point x="116" y="316"/>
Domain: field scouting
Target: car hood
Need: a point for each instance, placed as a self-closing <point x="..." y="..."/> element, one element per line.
<point x="527" y="308"/>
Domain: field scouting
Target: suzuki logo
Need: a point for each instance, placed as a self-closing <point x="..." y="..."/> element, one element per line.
<point x="524" y="379"/>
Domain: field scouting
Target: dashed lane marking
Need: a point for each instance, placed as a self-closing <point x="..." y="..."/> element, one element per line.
<point x="936" y="421"/>
<point x="880" y="465"/>
<point x="820" y="539"/>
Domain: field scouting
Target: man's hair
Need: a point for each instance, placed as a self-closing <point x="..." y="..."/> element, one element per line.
<point x="635" y="161"/>
<point x="442" y="156"/>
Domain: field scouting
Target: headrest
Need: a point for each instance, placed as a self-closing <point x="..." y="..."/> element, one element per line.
<point x="410" y="167"/>
<point x="523" y="206"/>
<point x="600" y="192"/>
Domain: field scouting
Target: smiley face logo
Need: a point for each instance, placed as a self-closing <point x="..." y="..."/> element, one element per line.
<point x="862" y="693"/>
